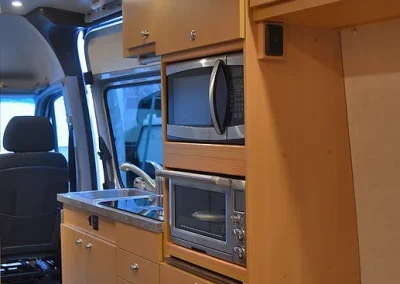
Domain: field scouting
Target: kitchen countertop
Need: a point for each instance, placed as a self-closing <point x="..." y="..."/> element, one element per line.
<point x="91" y="206"/>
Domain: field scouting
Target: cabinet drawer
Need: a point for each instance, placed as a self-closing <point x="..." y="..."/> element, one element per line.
<point x="172" y="275"/>
<point x="213" y="22"/>
<point x="140" y="242"/>
<point x="139" y="18"/>
<point x="136" y="269"/>
<point x="80" y="220"/>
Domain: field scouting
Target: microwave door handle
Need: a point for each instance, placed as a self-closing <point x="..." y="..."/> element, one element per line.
<point x="211" y="97"/>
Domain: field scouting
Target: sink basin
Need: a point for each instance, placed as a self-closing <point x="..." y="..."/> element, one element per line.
<point x="144" y="206"/>
<point x="112" y="194"/>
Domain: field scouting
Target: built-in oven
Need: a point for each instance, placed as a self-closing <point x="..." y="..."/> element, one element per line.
<point x="205" y="100"/>
<point x="207" y="214"/>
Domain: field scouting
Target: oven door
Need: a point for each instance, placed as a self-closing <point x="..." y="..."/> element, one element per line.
<point x="199" y="214"/>
<point x="198" y="100"/>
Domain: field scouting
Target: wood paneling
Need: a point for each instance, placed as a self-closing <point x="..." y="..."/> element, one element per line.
<point x="220" y="48"/>
<point x="329" y="13"/>
<point x="122" y="281"/>
<point x="176" y="19"/>
<point x="147" y="272"/>
<point x="372" y="79"/>
<point x="140" y="242"/>
<point x="300" y="205"/>
<point x="79" y="219"/>
<point x="211" y="263"/>
<point x="222" y="159"/>
<point x="254" y="3"/>
<point x="172" y="275"/>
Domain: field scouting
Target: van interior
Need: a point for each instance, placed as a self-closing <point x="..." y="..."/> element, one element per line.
<point x="199" y="141"/>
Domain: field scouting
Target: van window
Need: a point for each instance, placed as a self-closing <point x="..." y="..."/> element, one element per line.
<point x="135" y="119"/>
<point x="61" y="126"/>
<point x="10" y="107"/>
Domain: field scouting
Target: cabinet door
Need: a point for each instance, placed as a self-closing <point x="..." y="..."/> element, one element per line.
<point x="212" y="21"/>
<point x="101" y="261"/>
<point x="73" y="256"/>
<point x="138" y="26"/>
<point x="172" y="275"/>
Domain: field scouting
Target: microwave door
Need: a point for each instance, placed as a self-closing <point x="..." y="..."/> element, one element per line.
<point x="188" y="114"/>
<point x="219" y="97"/>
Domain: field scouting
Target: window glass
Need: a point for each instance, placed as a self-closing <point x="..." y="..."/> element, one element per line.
<point x="10" y="107"/>
<point x="135" y="117"/>
<point x="60" y="117"/>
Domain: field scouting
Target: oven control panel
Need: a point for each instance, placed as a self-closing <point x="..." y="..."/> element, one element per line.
<point x="239" y="231"/>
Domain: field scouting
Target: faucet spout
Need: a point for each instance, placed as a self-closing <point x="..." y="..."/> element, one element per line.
<point x="131" y="167"/>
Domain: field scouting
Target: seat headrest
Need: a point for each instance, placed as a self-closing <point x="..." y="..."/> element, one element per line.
<point x="29" y="134"/>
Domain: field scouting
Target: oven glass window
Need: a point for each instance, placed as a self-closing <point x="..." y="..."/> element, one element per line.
<point x="200" y="211"/>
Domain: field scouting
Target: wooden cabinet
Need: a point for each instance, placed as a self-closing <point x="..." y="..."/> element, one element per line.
<point x="100" y="261"/>
<point x="86" y="259"/>
<point x="172" y="275"/>
<point x="136" y="269"/>
<point x="72" y="253"/>
<point x="186" y="24"/>
<point x="139" y="33"/>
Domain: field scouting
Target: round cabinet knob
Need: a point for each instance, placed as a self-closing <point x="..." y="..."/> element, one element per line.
<point x="78" y="242"/>
<point x="240" y="252"/>
<point x="192" y="35"/>
<point x="134" y="267"/>
<point x="88" y="246"/>
<point x="239" y="233"/>
<point x="145" y="34"/>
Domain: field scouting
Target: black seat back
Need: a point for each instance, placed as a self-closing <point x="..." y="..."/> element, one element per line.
<point x="30" y="179"/>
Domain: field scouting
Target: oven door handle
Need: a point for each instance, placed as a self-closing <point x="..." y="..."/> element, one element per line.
<point x="219" y="125"/>
<point x="219" y="181"/>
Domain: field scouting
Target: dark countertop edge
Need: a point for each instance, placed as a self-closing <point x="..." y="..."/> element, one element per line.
<point x="116" y="215"/>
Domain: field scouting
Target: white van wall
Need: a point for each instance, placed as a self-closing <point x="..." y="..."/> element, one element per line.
<point x="25" y="56"/>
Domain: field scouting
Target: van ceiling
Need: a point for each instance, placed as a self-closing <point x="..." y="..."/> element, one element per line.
<point x="80" y="6"/>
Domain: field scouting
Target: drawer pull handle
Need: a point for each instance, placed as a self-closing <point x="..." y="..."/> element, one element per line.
<point x="78" y="242"/>
<point x="134" y="267"/>
<point x="145" y="34"/>
<point x="88" y="246"/>
<point x="192" y="35"/>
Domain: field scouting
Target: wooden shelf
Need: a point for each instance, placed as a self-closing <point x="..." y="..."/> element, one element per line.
<point x="328" y="13"/>
<point x="225" y="268"/>
<point x="223" y="159"/>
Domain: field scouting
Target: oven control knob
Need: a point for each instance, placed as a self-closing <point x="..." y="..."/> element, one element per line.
<point x="240" y="252"/>
<point x="239" y="233"/>
<point x="235" y="219"/>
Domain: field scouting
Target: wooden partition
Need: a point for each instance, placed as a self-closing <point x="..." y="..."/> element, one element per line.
<point x="372" y="78"/>
<point x="301" y="215"/>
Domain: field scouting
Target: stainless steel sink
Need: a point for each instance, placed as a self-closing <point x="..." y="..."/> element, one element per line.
<point x="112" y="194"/>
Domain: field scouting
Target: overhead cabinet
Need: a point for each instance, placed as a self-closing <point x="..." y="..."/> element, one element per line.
<point x="187" y="24"/>
<point x="139" y="27"/>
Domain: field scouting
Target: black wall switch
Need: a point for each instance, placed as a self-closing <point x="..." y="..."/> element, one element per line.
<point x="273" y="40"/>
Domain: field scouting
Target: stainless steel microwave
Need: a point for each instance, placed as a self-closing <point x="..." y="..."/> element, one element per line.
<point x="205" y="100"/>
<point x="207" y="214"/>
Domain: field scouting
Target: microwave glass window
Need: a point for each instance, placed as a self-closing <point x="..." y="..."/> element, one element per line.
<point x="188" y="103"/>
<point x="200" y="211"/>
